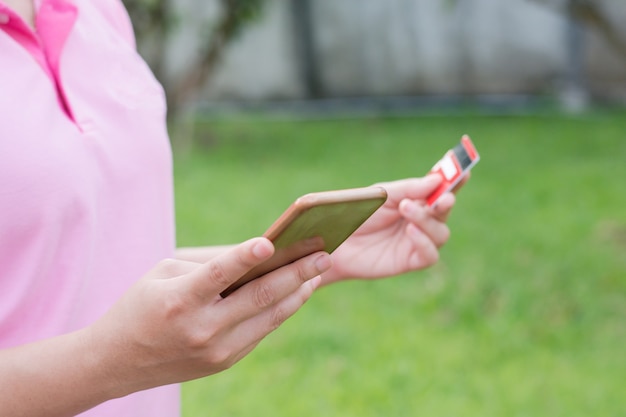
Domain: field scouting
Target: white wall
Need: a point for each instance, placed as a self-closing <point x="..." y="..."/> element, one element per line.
<point x="426" y="46"/>
<point x="398" y="47"/>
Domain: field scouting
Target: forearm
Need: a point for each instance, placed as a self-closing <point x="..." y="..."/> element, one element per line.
<point x="62" y="376"/>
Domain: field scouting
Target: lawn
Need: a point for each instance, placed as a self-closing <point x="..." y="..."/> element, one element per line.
<point x="525" y="315"/>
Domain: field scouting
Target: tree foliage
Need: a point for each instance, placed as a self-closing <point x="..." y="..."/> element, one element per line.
<point x="155" y="20"/>
<point x="590" y="13"/>
<point x="594" y="15"/>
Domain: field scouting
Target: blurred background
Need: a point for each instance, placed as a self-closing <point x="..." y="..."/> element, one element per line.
<point x="262" y="51"/>
<point x="525" y="313"/>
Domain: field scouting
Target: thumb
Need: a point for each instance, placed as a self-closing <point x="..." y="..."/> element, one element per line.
<point x="210" y="279"/>
<point x="412" y="188"/>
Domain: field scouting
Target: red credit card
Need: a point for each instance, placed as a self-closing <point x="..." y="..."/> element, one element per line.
<point x="453" y="166"/>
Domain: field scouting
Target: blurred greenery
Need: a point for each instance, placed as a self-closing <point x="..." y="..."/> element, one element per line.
<point x="523" y="316"/>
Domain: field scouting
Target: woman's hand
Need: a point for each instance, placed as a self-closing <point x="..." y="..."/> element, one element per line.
<point x="171" y="326"/>
<point x="403" y="235"/>
<point x="174" y="326"/>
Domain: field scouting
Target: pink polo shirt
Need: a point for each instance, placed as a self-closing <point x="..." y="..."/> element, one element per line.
<point x="86" y="203"/>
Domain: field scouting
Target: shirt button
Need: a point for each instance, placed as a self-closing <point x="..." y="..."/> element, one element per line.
<point x="4" y="18"/>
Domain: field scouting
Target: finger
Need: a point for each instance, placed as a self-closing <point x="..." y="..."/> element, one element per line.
<point x="425" y="219"/>
<point x="461" y="183"/>
<point x="211" y="278"/>
<point x="412" y="188"/>
<point x="425" y="252"/>
<point x="444" y="206"/>
<point x="254" y="329"/>
<point x="275" y="286"/>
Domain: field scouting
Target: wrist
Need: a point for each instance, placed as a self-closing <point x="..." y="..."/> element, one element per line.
<point x="61" y="376"/>
<point x="102" y="364"/>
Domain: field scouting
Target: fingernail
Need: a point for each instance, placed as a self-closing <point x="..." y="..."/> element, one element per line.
<point x="262" y="250"/>
<point x="323" y="262"/>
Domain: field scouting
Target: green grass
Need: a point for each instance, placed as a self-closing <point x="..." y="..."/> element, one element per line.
<point x="525" y="315"/>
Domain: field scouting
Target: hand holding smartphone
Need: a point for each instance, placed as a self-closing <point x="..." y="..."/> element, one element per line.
<point x="316" y="222"/>
<point x="324" y="220"/>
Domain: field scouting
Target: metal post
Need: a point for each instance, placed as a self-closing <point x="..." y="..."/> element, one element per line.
<point x="305" y="47"/>
<point x="575" y="97"/>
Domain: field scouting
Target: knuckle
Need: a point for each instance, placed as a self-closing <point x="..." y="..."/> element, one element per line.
<point x="277" y="317"/>
<point x="169" y="267"/>
<point x="195" y="340"/>
<point x="263" y="295"/>
<point x="174" y="305"/>
<point x="198" y="338"/>
<point x="191" y="333"/>
<point x="219" y="358"/>
<point x="218" y="274"/>
<point x="304" y="272"/>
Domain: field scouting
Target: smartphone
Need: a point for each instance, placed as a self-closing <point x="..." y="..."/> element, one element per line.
<point x="315" y="222"/>
<point x="453" y="166"/>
